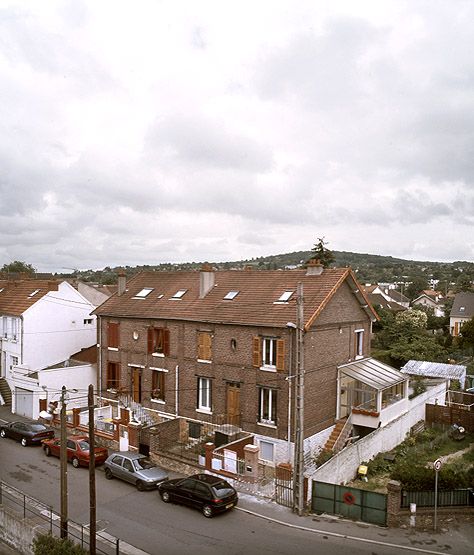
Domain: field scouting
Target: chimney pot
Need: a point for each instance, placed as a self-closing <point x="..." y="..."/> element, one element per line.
<point x="314" y="267"/>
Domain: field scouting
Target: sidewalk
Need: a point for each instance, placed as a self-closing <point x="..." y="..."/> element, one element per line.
<point x="454" y="534"/>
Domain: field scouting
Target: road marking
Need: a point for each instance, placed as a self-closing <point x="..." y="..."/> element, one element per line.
<point x="343" y="536"/>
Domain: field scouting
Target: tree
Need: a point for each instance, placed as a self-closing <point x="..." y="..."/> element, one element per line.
<point x="466" y="335"/>
<point x="416" y="286"/>
<point x="463" y="283"/>
<point x="321" y="253"/>
<point x="18" y="267"/>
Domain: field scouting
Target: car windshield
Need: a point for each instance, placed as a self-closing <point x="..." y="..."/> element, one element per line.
<point x="142" y="464"/>
<point x="222" y="489"/>
<point x="37" y="427"/>
<point x="84" y="445"/>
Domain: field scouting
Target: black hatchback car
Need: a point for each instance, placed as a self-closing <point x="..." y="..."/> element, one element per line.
<point x="205" y="492"/>
<point x="26" y="433"/>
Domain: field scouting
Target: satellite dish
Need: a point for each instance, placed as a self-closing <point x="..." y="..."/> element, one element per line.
<point x="46" y="415"/>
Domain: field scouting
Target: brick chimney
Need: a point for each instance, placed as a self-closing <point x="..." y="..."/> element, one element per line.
<point x="206" y="280"/>
<point x="314" y="268"/>
<point x="121" y="282"/>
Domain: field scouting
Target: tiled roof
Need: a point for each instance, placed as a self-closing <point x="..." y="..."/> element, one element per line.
<point x="379" y="300"/>
<point x="397" y="296"/>
<point x="463" y="299"/>
<point x="18" y="295"/>
<point x="255" y="304"/>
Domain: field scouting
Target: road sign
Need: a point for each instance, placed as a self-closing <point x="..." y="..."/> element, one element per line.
<point x="437" y="465"/>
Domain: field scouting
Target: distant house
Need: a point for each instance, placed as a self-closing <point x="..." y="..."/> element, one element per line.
<point x="430" y="299"/>
<point x="41" y="323"/>
<point x="385" y="298"/>
<point x="220" y="347"/>
<point x="462" y="311"/>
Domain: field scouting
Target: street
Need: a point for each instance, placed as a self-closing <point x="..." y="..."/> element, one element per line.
<point x="144" y="521"/>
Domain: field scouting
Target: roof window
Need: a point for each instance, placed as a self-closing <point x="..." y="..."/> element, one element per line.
<point x="179" y="294"/>
<point x="33" y="293"/>
<point x="143" y="293"/>
<point x="462" y="308"/>
<point x="285" y="297"/>
<point x="231" y="295"/>
<point x="160" y="296"/>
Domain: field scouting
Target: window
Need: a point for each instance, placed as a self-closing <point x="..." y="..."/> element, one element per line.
<point x="269" y="353"/>
<point x="143" y="293"/>
<point x="113" y="334"/>
<point x="285" y="297"/>
<point x="112" y="375"/>
<point x="14" y="328"/>
<point x="267" y="405"/>
<point x="231" y="295"/>
<point x="359" y="343"/>
<point x="87" y="321"/>
<point x="33" y="293"/>
<point x="204" y="346"/>
<point x="159" y="341"/>
<point x="179" y="294"/>
<point x="267" y="451"/>
<point x="13" y="361"/>
<point x="204" y="394"/>
<point x="158" y="385"/>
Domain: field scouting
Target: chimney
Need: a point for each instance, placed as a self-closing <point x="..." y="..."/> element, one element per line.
<point x="314" y="267"/>
<point x="121" y="282"/>
<point x="206" y="280"/>
<point x="53" y="285"/>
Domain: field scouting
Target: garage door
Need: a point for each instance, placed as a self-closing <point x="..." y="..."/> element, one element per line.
<point x="24" y="402"/>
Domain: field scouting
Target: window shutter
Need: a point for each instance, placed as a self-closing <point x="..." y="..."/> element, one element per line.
<point x="166" y="342"/>
<point x="280" y="355"/>
<point x="151" y="333"/>
<point x="257" y="352"/>
<point x="200" y="346"/>
<point x="207" y="346"/>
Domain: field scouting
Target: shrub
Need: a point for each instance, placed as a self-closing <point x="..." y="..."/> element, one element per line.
<point x="46" y="544"/>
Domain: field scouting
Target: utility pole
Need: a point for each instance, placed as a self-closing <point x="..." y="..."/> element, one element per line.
<point x="92" y="498"/>
<point x="63" y="464"/>
<point x="298" y="472"/>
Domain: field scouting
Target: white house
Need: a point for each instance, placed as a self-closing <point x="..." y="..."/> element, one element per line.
<point x="461" y="312"/>
<point x="41" y="324"/>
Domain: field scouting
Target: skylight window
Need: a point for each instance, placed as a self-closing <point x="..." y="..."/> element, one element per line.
<point x="231" y="295"/>
<point x="143" y="293"/>
<point x="33" y="293"/>
<point x="160" y="296"/>
<point x="462" y="308"/>
<point x="285" y="297"/>
<point x="179" y="294"/>
<point x="2" y="289"/>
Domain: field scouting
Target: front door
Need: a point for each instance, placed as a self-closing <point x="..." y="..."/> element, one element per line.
<point x="233" y="404"/>
<point x="137" y="385"/>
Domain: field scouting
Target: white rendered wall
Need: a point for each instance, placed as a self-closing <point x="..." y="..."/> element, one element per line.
<point x="54" y="327"/>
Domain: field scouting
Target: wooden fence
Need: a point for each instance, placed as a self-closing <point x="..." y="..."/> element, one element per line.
<point x="449" y="415"/>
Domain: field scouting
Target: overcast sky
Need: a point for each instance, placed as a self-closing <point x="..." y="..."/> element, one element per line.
<point x="167" y="131"/>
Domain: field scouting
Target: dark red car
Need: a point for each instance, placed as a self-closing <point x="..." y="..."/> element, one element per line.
<point x="77" y="450"/>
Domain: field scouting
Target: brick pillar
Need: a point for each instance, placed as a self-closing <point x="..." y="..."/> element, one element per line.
<point x="251" y="462"/>
<point x="394" y="490"/>
<point x="133" y="434"/>
<point x="124" y="415"/>
<point x="209" y="449"/>
<point x="75" y="417"/>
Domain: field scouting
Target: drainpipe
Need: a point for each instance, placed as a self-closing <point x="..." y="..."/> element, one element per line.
<point x="177" y="389"/>
<point x="99" y="333"/>
<point x="290" y="326"/>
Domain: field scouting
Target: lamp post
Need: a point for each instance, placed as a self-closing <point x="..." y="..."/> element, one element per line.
<point x="63" y="464"/>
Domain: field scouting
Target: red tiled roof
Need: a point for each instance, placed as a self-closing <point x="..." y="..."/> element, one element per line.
<point x="15" y="295"/>
<point x="254" y="305"/>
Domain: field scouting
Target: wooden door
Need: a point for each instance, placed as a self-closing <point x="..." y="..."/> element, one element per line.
<point x="137" y="385"/>
<point x="233" y="404"/>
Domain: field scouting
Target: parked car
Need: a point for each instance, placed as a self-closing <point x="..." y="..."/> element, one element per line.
<point x="78" y="450"/>
<point x="208" y="493"/>
<point x="27" y="433"/>
<point x="134" y="468"/>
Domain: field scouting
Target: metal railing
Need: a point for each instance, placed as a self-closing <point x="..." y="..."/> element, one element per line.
<point x="446" y="498"/>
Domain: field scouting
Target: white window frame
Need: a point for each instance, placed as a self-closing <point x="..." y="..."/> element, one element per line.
<point x="143" y="293"/>
<point x="204" y="394"/>
<point x="272" y="399"/>
<point x="359" y="343"/>
<point x="272" y="352"/>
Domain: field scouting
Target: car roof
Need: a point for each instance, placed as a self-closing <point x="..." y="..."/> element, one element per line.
<point x="129" y="455"/>
<point x="208" y="479"/>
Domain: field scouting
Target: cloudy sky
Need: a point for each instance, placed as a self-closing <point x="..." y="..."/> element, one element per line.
<point x="154" y="131"/>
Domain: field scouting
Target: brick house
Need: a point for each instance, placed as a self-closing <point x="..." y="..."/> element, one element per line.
<point x="219" y="346"/>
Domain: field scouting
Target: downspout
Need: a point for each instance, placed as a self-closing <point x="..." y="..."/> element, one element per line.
<point x="290" y="326"/>
<point x="22" y="337"/>
<point x="99" y="337"/>
<point x="177" y="389"/>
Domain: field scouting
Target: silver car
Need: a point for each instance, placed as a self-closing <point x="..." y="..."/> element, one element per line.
<point x="134" y="468"/>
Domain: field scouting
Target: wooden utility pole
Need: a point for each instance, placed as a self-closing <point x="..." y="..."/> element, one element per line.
<point x="298" y="473"/>
<point x="92" y="500"/>
<point x="63" y="464"/>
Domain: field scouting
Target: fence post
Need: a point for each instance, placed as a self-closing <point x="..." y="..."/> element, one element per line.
<point x="117" y="547"/>
<point x="394" y="489"/>
<point x="24" y="506"/>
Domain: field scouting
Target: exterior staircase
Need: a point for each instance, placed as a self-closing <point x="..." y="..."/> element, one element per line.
<point x="340" y="434"/>
<point x="137" y="411"/>
<point x="5" y="392"/>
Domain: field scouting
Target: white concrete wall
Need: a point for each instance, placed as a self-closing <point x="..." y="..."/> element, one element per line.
<point x="343" y="467"/>
<point x="54" y="327"/>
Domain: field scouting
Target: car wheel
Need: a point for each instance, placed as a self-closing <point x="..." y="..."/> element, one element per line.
<point x="3" y="433"/>
<point x="108" y="474"/>
<point x="75" y="462"/>
<point x="165" y="496"/>
<point x="140" y="485"/>
<point x="47" y="450"/>
<point x="207" y="511"/>
<point x="23" y="442"/>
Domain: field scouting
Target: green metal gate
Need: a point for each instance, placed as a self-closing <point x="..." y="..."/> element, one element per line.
<point x="356" y="504"/>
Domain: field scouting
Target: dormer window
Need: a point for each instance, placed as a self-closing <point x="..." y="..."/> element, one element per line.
<point x="143" y="293"/>
<point x="33" y="293"/>
<point x="179" y="294"/>
<point x="231" y="295"/>
<point x="285" y="297"/>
